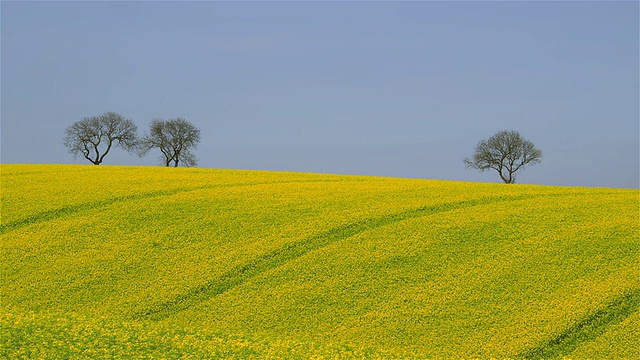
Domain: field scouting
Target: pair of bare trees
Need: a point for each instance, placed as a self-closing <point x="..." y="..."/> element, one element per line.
<point x="93" y="137"/>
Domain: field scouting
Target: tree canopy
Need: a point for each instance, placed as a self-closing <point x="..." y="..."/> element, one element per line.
<point x="174" y="138"/>
<point x="505" y="152"/>
<point x="93" y="137"/>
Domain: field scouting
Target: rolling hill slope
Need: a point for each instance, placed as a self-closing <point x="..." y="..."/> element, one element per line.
<point x="108" y="261"/>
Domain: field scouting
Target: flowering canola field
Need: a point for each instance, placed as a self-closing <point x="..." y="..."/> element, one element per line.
<point x="148" y="262"/>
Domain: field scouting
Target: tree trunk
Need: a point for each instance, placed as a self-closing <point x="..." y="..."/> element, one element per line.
<point x="506" y="181"/>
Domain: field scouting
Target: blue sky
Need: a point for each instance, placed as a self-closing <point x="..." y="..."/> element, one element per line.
<point x="401" y="89"/>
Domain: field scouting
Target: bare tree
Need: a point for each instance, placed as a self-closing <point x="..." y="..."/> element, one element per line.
<point x="505" y="152"/>
<point x="93" y="137"/>
<point x="175" y="138"/>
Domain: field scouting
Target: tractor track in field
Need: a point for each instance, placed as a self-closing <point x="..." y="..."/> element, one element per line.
<point x="73" y="209"/>
<point x="273" y="259"/>
<point x="587" y="329"/>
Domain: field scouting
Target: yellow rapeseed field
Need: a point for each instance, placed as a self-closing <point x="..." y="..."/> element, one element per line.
<point x="154" y="262"/>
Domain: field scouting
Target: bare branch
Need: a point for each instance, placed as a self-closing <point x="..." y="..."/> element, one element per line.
<point x="505" y="152"/>
<point x="174" y="138"/>
<point x="86" y="136"/>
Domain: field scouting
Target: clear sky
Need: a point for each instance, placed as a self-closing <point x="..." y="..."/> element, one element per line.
<point x="401" y="89"/>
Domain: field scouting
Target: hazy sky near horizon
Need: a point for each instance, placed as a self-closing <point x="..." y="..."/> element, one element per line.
<point x="402" y="89"/>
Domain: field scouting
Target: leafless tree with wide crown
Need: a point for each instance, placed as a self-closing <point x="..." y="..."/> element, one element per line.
<point x="505" y="152"/>
<point x="93" y="137"/>
<point x="174" y="138"/>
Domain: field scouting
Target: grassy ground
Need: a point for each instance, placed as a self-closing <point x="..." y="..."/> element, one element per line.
<point x="146" y="262"/>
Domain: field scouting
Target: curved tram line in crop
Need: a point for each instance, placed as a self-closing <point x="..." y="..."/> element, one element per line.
<point x="70" y="298"/>
<point x="54" y="214"/>
<point x="587" y="329"/>
<point x="290" y="252"/>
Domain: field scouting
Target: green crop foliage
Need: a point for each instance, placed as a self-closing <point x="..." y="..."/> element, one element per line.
<point x="154" y="262"/>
